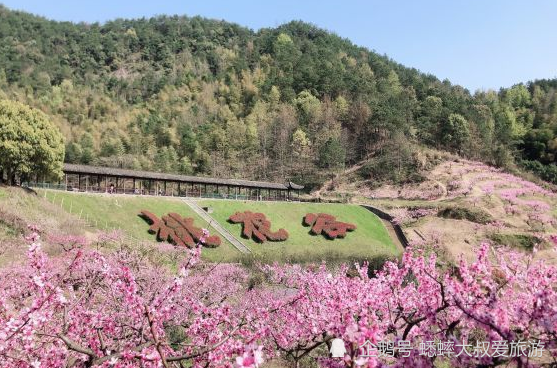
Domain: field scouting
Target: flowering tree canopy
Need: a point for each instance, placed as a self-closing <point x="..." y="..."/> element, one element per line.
<point x="88" y="309"/>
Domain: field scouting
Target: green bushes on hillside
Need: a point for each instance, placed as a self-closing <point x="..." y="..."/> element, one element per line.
<point x="462" y="213"/>
<point x="205" y="97"/>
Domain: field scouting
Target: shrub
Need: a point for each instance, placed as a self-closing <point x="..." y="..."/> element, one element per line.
<point x="524" y="241"/>
<point x="323" y="223"/>
<point x="256" y="226"/>
<point x="462" y="213"/>
<point x="179" y="230"/>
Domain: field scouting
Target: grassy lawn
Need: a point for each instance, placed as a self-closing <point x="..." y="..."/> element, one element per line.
<point x="368" y="241"/>
<point x="118" y="211"/>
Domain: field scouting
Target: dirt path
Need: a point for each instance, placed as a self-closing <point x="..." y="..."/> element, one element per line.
<point x="325" y="185"/>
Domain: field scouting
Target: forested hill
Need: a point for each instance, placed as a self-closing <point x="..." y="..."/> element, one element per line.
<point x="199" y="96"/>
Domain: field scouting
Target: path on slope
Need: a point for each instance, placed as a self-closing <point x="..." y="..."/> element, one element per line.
<point x="327" y="184"/>
<point x="218" y="227"/>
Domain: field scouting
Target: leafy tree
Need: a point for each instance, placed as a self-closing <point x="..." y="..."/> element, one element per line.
<point x="456" y="132"/>
<point x="332" y="154"/>
<point x="301" y="152"/>
<point x="286" y="54"/>
<point x="186" y="166"/>
<point x="518" y="96"/>
<point x="73" y="152"/>
<point x="87" y="148"/>
<point x="29" y="143"/>
<point x="506" y="127"/>
<point x="308" y="106"/>
<point x="173" y="81"/>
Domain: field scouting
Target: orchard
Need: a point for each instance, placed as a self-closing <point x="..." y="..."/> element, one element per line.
<point x="87" y="308"/>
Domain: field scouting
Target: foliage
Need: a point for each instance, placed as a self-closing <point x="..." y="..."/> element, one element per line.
<point x="462" y="213"/>
<point x="524" y="241"/>
<point x="87" y="309"/>
<point x="398" y="163"/>
<point x="256" y="226"/>
<point x="207" y="97"/>
<point x="29" y="143"/>
<point x="327" y="225"/>
<point x="546" y="172"/>
<point x="456" y="131"/>
<point x="179" y="230"/>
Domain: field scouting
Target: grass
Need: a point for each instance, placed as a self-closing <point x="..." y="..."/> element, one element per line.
<point x="121" y="212"/>
<point x="521" y="241"/>
<point x="369" y="241"/>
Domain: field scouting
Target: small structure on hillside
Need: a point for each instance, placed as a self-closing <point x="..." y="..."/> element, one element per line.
<point x="85" y="178"/>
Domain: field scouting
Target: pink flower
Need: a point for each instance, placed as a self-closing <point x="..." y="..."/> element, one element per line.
<point x="252" y="358"/>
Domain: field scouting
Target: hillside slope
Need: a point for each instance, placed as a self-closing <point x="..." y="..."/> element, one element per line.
<point x="461" y="203"/>
<point x="194" y="95"/>
<point x="68" y="219"/>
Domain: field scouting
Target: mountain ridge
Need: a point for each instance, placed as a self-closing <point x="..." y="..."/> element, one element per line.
<point x="209" y="97"/>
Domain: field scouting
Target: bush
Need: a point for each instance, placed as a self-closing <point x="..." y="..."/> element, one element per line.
<point x="179" y="230"/>
<point x="323" y="223"/>
<point x="462" y="213"/>
<point x="524" y="241"/>
<point x="546" y="172"/>
<point x="256" y="226"/>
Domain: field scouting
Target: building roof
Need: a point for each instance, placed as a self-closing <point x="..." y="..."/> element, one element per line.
<point x="150" y="175"/>
<point x="292" y="185"/>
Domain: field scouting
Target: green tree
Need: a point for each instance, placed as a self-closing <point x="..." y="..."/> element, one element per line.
<point x="301" y="151"/>
<point x="186" y="166"/>
<point x="286" y="54"/>
<point x="518" y="96"/>
<point x="507" y="128"/>
<point x="456" y="132"/>
<point x="332" y="155"/>
<point x="429" y="120"/>
<point x="309" y="108"/>
<point x="29" y="143"/>
<point x="87" y="148"/>
<point x="73" y="152"/>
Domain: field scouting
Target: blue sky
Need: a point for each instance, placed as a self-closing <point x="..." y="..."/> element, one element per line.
<point x="479" y="44"/>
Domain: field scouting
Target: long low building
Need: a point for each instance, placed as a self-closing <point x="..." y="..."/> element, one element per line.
<point x="114" y="180"/>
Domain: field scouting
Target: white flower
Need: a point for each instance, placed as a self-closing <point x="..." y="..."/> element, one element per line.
<point x="37" y="280"/>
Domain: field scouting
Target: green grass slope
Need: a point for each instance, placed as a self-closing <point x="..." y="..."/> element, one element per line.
<point x="121" y="212"/>
<point x="369" y="241"/>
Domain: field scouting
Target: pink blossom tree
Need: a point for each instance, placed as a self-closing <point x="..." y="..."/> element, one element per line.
<point x="89" y="309"/>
